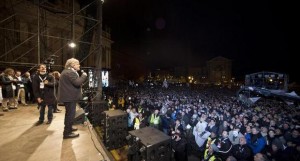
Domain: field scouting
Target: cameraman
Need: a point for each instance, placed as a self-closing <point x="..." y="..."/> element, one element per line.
<point x="179" y="147"/>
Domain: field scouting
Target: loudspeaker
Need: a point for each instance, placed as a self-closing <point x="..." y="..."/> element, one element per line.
<point x="95" y="110"/>
<point x="115" y="128"/>
<point x="150" y="144"/>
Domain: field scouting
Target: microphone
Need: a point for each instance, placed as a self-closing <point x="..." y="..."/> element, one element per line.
<point x="83" y="72"/>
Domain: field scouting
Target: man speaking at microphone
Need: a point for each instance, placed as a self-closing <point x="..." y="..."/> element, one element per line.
<point x="69" y="92"/>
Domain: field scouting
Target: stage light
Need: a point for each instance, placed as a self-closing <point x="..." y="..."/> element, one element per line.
<point x="72" y="45"/>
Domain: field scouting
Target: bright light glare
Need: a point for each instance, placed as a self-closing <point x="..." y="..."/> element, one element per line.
<point x="72" y="44"/>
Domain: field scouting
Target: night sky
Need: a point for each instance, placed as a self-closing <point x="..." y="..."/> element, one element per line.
<point x="255" y="35"/>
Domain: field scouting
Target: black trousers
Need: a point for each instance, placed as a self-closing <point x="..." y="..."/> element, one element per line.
<point x="69" y="116"/>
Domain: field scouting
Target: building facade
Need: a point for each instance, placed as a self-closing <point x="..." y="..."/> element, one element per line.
<point x="219" y="70"/>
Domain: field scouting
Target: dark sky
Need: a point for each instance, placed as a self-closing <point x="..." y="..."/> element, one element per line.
<point x="256" y="35"/>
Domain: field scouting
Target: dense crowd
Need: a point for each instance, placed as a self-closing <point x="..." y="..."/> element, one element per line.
<point x="205" y="121"/>
<point x="212" y="124"/>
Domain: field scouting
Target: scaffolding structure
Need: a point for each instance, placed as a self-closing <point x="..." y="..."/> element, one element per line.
<point x="40" y="31"/>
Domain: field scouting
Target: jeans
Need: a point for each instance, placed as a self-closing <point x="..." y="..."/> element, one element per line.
<point x="42" y="112"/>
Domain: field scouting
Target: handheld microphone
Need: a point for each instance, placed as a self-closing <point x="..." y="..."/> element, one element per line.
<point x="83" y="72"/>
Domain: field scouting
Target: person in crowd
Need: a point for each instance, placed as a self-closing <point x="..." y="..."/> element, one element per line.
<point x="112" y="107"/>
<point x="255" y="140"/>
<point x="235" y="135"/>
<point x="211" y="139"/>
<point x="231" y="158"/>
<point x="166" y="124"/>
<point x="176" y="126"/>
<point x="8" y="90"/>
<point x="132" y="115"/>
<point x="179" y="147"/>
<point x="248" y="129"/>
<point x="277" y="151"/>
<point x="212" y="127"/>
<point x="244" y="125"/>
<point x="199" y="131"/>
<point x="293" y="137"/>
<point x="222" y="146"/>
<point x="20" y="88"/>
<point x="260" y="157"/>
<point x="29" y="97"/>
<point x="185" y="119"/>
<point x="121" y="103"/>
<point x="292" y="147"/>
<point x="56" y="76"/>
<point x="209" y="155"/>
<point x="139" y="121"/>
<point x="241" y="151"/>
<point x="129" y="119"/>
<point x="155" y="120"/>
<point x="269" y="139"/>
<point x="224" y="126"/>
<point x="43" y="89"/>
<point x="193" y="120"/>
<point x="69" y="93"/>
<point x="279" y="135"/>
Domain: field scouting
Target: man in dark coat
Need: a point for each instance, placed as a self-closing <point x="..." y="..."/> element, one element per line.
<point x="222" y="146"/>
<point x="179" y="147"/>
<point x="69" y="92"/>
<point x="242" y="151"/>
<point x="43" y="89"/>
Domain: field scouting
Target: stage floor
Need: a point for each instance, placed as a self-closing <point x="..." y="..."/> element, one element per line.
<point x="21" y="140"/>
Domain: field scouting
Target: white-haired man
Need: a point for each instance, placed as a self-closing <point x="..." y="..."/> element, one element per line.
<point x="69" y="92"/>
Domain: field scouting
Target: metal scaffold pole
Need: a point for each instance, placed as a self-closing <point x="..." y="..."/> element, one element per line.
<point x="99" y="55"/>
<point x="38" y="35"/>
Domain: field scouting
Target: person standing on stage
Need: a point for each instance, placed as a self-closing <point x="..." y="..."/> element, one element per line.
<point x="43" y="89"/>
<point x="56" y="76"/>
<point x="20" y="90"/>
<point x="8" y="89"/>
<point x="69" y="92"/>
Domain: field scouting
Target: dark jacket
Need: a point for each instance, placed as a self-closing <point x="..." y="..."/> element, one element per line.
<point x="242" y="152"/>
<point x="180" y="151"/>
<point x="224" y="148"/>
<point x="47" y="94"/>
<point x="7" y="90"/>
<point x="69" y="89"/>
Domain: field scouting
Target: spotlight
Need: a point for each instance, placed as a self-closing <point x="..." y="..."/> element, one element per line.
<point x="72" y="45"/>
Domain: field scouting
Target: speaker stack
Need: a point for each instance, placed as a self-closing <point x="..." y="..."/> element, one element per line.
<point x="115" y="129"/>
<point x="95" y="110"/>
<point x="150" y="144"/>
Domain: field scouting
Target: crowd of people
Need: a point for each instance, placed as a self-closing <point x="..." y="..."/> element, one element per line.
<point x="45" y="89"/>
<point x="205" y="121"/>
<point x="17" y="87"/>
<point x="212" y="124"/>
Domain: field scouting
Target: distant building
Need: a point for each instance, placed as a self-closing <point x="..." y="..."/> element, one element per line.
<point x="198" y="75"/>
<point x="219" y="70"/>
